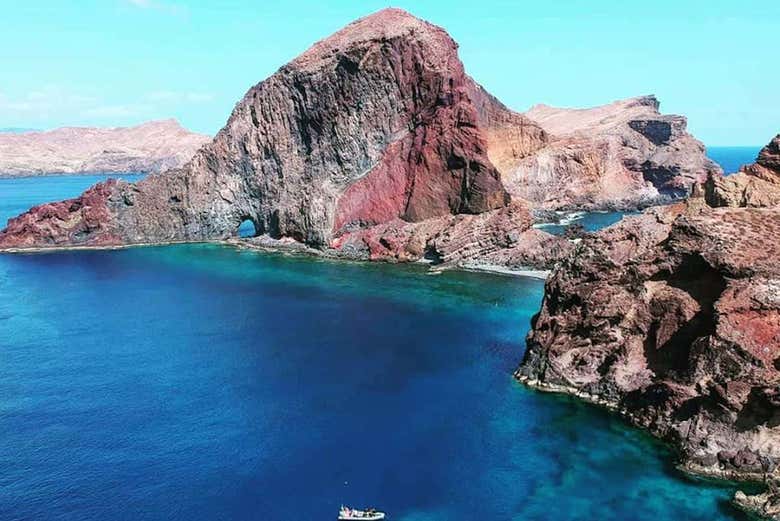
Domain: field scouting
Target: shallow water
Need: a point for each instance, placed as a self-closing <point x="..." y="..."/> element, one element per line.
<point x="201" y="382"/>
<point x="590" y="221"/>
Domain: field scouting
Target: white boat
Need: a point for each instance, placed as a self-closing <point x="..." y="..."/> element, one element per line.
<point x="353" y="514"/>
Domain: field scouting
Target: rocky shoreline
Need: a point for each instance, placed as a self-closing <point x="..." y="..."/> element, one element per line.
<point x="672" y="319"/>
<point x="376" y="142"/>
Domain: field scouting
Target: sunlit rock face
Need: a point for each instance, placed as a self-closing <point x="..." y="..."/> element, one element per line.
<point x="150" y="147"/>
<point x="673" y="318"/>
<point x="622" y="155"/>
<point x="376" y="144"/>
<point x="756" y="185"/>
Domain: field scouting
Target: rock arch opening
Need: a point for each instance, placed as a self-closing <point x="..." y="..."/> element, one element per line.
<point x="247" y="229"/>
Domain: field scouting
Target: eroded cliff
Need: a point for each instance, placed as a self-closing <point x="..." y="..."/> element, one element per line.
<point x="672" y="318"/>
<point x="622" y="155"/>
<point x="374" y="143"/>
<point x="377" y="126"/>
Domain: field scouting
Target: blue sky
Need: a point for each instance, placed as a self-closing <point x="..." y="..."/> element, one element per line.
<point x="119" y="62"/>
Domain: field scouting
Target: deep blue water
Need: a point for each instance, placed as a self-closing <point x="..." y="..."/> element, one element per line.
<point x="20" y="193"/>
<point x="731" y="158"/>
<point x="201" y="382"/>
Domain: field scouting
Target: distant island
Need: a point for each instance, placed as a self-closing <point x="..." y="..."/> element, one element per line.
<point x="150" y="147"/>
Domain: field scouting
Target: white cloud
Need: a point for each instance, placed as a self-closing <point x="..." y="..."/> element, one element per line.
<point x="40" y="102"/>
<point x="55" y="103"/>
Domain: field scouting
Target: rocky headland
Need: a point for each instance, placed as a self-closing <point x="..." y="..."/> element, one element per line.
<point x="672" y="318"/>
<point x="624" y="155"/>
<point x="375" y="144"/>
<point x="151" y="147"/>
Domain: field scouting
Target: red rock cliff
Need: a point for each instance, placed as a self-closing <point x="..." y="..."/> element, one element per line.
<point x="372" y="124"/>
<point x="673" y="319"/>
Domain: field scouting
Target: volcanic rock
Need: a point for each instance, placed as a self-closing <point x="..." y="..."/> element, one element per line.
<point x="376" y="126"/>
<point x="151" y="147"/>
<point x="375" y="143"/>
<point x="622" y="155"/>
<point x="755" y="185"/>
<point x="672" y="318"/>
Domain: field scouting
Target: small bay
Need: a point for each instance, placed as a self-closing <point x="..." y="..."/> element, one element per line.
<point x="202" y="382"/>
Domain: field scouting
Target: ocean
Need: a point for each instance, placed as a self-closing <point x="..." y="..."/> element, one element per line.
<point x="202" y="382"/>
<point x="732" y="158"/>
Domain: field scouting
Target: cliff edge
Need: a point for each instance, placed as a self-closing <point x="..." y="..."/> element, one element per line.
<point x="672" y="318"/>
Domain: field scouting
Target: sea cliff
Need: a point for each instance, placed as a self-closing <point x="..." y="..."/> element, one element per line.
<point x="376" y="144"/>
<point x="672" y="318"/>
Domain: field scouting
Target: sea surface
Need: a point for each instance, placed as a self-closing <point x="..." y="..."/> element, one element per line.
<point x="731" y="158"/>
<point x="201" y="382"/>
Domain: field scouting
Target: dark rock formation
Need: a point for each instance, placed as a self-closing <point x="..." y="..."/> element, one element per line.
<point x="151" y="147"/>
<point x="672" y="318"/>
<point x="764" y="505"/>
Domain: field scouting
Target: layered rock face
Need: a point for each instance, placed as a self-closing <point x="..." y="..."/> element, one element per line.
<point x="150" y="147"/>
<point x="673" y="319"/>
<point x="756" y="185"/>
<point x="622" y="155"/>
<point x="376" y="144"/>
<point x="376" y="126"/>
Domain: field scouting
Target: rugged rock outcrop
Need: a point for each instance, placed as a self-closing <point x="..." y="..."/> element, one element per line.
<point x="151" y="147"/>
<point x="764" y="505"/>
<point x="622" y="155"/>
<point x="372" y="132"/>
<point x="756" y="185"/>
<point x="376" y="144"/>
<point x="672" y="318"/>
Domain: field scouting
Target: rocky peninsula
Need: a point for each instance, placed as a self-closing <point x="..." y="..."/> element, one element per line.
<point x="672" y="318"/>
<point x="375" y="144"/>
<point x="154" y="146"/>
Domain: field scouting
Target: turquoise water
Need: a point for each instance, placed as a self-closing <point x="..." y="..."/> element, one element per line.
<point x="590" y="221"/>
<point x="731" y="158"/>
<point x="201" y="382"/>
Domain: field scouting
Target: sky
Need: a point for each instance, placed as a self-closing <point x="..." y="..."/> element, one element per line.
<point x="122" y="62"/>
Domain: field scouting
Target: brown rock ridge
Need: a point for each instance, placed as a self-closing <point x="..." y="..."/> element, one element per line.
<point x="151" y="147"/>
<point x="376" y="144"/>
<point x="375" y="130"/>
<point x="622" y="155"/>
<point x="672" y="318"/>
<point x="756" y="185"/>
